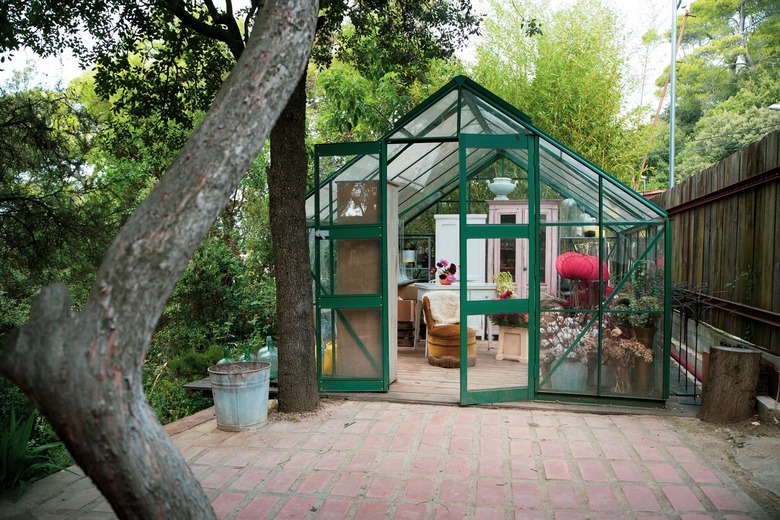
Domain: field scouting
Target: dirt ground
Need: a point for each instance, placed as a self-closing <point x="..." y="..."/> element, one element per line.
<point x="748" y="452"/>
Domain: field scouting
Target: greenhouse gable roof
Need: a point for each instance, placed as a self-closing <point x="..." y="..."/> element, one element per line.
<point x="422" y="158"/>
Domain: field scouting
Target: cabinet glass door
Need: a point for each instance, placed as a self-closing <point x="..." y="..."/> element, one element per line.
<point x="508" y="250"/>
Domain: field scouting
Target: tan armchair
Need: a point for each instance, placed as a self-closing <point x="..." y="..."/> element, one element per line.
<point x="441" y="310"/>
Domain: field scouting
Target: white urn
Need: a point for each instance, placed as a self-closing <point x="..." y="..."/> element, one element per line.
<point x="501" y="187"/>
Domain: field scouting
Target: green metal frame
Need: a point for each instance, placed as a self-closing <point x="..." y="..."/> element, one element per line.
<point x="498" y="231"/>
<point x="336" y="303"/>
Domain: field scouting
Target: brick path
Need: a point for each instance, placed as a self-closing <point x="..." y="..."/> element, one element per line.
<point x="373" y="460"/>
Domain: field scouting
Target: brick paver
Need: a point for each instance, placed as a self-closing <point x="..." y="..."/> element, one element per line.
<point x="377" y="460"/>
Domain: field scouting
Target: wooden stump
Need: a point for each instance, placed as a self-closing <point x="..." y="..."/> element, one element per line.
<point x="732" y="378"/>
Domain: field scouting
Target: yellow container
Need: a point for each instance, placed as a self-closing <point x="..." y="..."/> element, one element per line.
<point x="328" y="354"/>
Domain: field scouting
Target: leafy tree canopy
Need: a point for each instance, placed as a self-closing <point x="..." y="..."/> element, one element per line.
<point x="565" y="71"/>
<point x="727" y="76"/>
<point x="51" y="228"/>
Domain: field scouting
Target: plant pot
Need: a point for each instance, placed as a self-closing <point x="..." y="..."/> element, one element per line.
<point x="444" y="281"/>
<point x="240" y="394"/>
<point x="569" y="376"/>
<point x="607" y="376"/>
<point x="645" y="335"/>
<point x="513" y="344"/>
<point x="644" y="380"/>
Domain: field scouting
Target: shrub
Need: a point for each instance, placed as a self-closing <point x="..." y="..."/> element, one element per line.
<point x="20" y="461"/>
<point x="171" y="401"/>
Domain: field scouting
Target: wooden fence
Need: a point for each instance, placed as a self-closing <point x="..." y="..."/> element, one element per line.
<point x="726" y="234"/>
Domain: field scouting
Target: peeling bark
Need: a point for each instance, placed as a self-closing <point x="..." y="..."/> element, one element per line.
<point x="83" y="370"/>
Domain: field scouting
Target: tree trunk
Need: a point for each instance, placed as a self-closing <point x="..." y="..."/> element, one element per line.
<point x="298" y="390"/>
<point x="730" y="393"/>
<point x="83" y="370"/>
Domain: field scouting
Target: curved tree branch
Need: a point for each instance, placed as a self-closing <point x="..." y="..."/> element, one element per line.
<point x="83" y="370"/>
<point x="231" y="38"/>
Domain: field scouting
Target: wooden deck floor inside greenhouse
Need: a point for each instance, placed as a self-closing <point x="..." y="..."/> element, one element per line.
<point x="421" y="382"/>
<point x="418" y="381"/>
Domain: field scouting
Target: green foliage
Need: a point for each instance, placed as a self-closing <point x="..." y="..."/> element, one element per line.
<point x="647" y="280"/>
<point x="397" y="37"/>
<point x="169" y="399"/>
<point x="641" y="318"/>
<point x="727" y="76"/>
<point x="207" y="306"/>
<point x="192" y="364"/>
<point x="355" y="108"/>
<point x="647" y="292"/>
<point x="14" y="401"/>
<point x="21" y="462"/>
<point x="504" y="282"/>
<point x="349" y="106"/>
<point x="164" y="379"/>
<point x="51" y="229"/>
<point x="620" y="318"/>
<point x="169" y="73"/>
<point x="568" y="78"/>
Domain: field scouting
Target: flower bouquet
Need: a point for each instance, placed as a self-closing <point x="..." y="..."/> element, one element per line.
<point x="505" y="286"/>
<point x="621" y="351"/>
<point x="558" y="332"/>
<point x="444" y="271"/>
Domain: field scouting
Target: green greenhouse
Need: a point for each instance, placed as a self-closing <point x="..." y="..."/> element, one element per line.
<point x="467" y="246"/>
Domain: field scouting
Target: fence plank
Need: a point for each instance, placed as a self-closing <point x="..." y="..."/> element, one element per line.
<point x="774" y="267"/>
<point x="698" y="220"/>
<point x="772" y="150"/>
<point x="745" y="204"/>
<point x="764" y="246"/>
<point x="751" y="160"/>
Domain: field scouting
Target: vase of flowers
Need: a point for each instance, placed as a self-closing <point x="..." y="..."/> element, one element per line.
<point x="569" y="377"/>
<point x="558" y="333"/>
<point x="513" y="327"/>
<point x="624" y="353"/>
<point x="444" y="272"/>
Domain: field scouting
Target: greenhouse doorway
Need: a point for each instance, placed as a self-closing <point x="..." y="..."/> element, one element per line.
<point x="510" y="380"/>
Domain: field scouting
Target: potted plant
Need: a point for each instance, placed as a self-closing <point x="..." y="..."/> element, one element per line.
<point x="622" y="351"/>
<point x="557" y="334"/>
<point x="644" y="317"/>
<point x="444" y="272"/>
<point x="646" y="299"/>
<point x="512" y="327"/>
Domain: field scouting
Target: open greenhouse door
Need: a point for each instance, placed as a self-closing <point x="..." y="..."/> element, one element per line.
<point x="352" y="264"/>
<point x="496" y="377"/>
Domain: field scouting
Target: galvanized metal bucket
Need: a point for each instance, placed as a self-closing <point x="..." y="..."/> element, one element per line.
<point x="240" y="394"/>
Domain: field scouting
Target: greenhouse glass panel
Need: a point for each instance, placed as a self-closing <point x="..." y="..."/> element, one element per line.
<point x="440" y="182"/>
<point x="480" y="117"/>
<point x="350" y="195"/>
<point x="439" y="120"/>
<point x="411" y="164"/>
<point x="350" y="343"/>
<point x="350" y="266"/>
